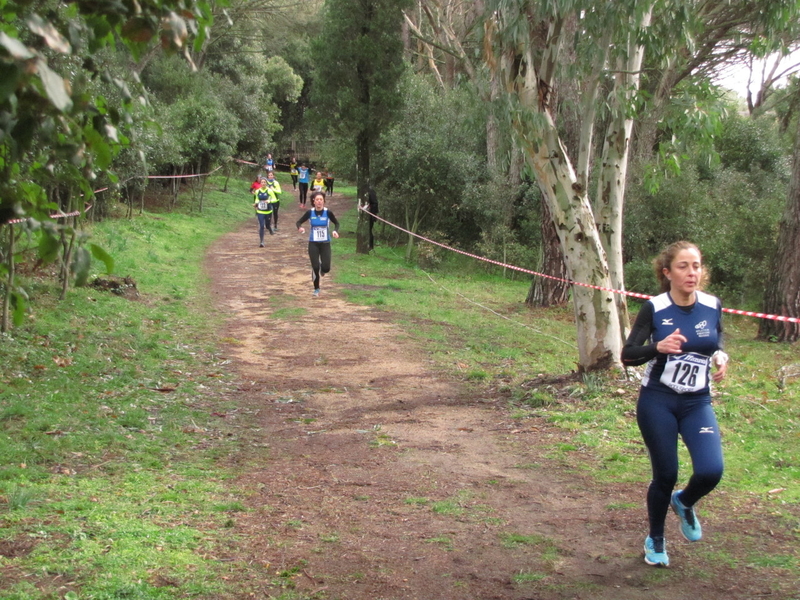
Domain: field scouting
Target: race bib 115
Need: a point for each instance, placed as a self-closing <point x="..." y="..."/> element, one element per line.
<point x="319" y="234"/>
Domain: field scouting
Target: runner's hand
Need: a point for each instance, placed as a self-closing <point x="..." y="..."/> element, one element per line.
<point x="720" y="360"/>
<point x="672" y="343"/>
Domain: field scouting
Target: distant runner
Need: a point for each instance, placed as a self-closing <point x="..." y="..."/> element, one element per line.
<point x="303" y="176"/>
<point x="262" y="202"/>
<point x="275" y="189"/>
<point x="319" y="242"/>
<point x="318" y="185"/>
<point x="293" y="171"/>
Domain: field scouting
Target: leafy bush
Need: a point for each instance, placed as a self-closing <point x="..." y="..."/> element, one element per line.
<point x="426" y="164"/>
<point x="730" y="210"/>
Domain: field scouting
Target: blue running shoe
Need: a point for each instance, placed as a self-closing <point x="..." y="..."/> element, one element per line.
<point x="690" y="526"/>
<point x="655" y="552"/>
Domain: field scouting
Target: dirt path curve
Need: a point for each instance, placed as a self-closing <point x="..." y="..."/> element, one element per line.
<point x="372" y="477"/>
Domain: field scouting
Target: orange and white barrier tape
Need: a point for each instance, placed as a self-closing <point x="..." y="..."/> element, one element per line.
<point x="734" y="311"/>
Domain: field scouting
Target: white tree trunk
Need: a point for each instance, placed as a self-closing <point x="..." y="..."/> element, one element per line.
<point x="598" y="332"/>
<point x="610" y="196"/>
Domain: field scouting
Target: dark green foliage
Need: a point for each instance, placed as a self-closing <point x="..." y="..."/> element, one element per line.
<point x="730" y="210"/>
<point x="746" y="145"/>
<point x="357" y="63"/>
<point x="58" y="130"/>
<point x="428" y="166"/>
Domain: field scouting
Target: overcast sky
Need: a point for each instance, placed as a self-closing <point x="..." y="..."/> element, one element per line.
<point x="736" y="78"/>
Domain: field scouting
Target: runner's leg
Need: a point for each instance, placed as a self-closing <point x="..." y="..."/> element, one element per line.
<point x="313" y="254"/>
<point x="325" y="257"/>
<point x="700" y="433"/>
<point x="261" y="226"/>
<point x="656" y="414"/>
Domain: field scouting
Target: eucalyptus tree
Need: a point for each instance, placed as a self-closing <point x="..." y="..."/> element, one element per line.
<point x="693" y="47"/>
<point x="538" y="44"/>
<point x="449" y="33"/>
<point x="358" y="61"/>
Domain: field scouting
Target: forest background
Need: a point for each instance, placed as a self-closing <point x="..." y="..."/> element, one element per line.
<point x="109" y="99"/>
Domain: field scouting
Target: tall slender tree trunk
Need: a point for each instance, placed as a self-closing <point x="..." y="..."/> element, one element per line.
<point x="363" y="181"/>
<point x="66" y="271"/>
<point x="9" y="287"/>
<point x="610" y="195"/>
<point x="598" y="333"/>
<point x="782" y="295"/>
<point x="545" y="291"/>
<point x="598" y="328"/>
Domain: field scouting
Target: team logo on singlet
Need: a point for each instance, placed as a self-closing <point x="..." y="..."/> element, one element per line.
<point x="666" y="321"/>
<point x="702" y="329"/>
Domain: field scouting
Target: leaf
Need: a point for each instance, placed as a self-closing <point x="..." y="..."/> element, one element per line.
<point x="15" y="48"/>
<point x="49" y="246"/>
<point x="111" y="133"/>
<point x="55" y="86"/>
<point x="80" y="266"/>
<point x="51" y="35"/>
<point x="103" y="154"/>
<point x="174" y="30"/>
<point x="9" y="76"/>
<point x="103" y="256"/>
<point x="19" y="301"/>
<point x="137" y="29"/>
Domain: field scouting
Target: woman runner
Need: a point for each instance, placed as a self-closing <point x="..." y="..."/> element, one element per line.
<point x="293" y="171"/>
<point x="262" y="202"/>
<point x="275" y="189"/>
<point x="318" y="185"/>
<point x="319" y="241"/>
<point x="679" y="335"/>
<point x="303" y="176"/>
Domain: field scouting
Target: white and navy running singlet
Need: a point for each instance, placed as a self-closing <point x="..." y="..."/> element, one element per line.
<point x="688" y="372"/>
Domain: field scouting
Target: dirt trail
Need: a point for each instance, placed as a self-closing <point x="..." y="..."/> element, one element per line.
<point x="354" y="439"/>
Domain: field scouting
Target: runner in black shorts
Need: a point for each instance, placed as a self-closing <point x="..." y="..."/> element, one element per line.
<point x="319" y="239"/>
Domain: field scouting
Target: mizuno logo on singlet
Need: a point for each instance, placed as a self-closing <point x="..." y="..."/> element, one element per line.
<point x="706" y="430"/>
<point x="666" y="321"/>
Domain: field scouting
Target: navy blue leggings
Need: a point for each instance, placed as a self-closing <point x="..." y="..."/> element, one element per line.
<point x="662" y="417"/>
<point x="264" y="223"/>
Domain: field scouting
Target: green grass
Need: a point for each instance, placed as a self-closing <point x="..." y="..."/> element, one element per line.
<point x="103" y="407"/>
